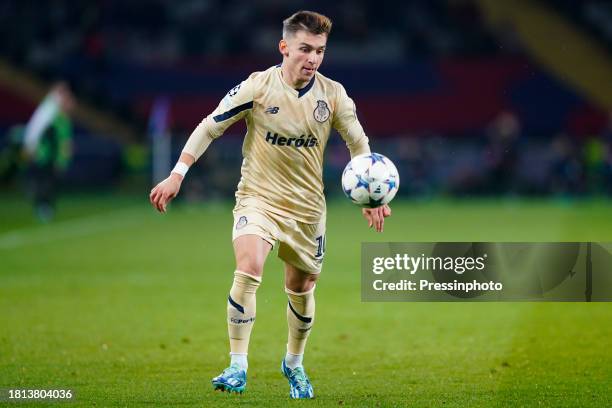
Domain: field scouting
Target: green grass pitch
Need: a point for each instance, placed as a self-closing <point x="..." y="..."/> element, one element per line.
<point x="127" y="308"/>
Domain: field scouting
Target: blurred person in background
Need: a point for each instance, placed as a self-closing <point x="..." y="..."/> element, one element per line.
<point x="566" y="174"/>
<point x="47" y="148"/>
<point x="502" y="153"/>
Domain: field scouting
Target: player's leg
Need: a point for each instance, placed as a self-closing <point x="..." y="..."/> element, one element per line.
<point x="250" y="252"/>
<point x="300" y="287"/>
<point x="253" y="235"/>
<point x="302" y="250"/>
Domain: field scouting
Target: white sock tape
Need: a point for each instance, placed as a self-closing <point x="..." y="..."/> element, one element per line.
<point x="180" y="168"/>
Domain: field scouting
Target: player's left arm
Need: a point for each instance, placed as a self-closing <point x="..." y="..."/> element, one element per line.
<point x="376" y="216"/>
<point x="346" y="123"/>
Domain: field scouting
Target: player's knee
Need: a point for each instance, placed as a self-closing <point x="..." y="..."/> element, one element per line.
<point x="250" y="266"/>
<point x="301" y="282"/>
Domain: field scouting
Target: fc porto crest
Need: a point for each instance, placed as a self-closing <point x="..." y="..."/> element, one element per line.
<point x="242" y="222"/>
<point x="321" y="112"/>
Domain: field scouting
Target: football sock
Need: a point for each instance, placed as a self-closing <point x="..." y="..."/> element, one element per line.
<point x="241" y="311"/>
<point x="240" y="359"/>
<point x="294" y="360"/>
<point x="300" y="317"/>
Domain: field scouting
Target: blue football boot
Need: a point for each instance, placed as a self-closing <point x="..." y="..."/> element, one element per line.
<point x="299" y="383"/>
<point x="232" y="379"/>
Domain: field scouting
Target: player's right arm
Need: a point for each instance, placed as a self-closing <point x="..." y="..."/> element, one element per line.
<point x="169" y="188"/>
<point x="235" y="105"/>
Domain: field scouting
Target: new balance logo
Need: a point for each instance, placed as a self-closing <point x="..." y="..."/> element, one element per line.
<point x="302" y="141"/>
<point x="272" y="109"/>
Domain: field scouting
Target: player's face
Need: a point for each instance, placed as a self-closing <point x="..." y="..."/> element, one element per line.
<point x="303" y="54"/>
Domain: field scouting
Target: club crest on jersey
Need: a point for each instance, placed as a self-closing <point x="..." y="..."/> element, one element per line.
<point x="242" y="222"/>
<point x="321" y="112"/>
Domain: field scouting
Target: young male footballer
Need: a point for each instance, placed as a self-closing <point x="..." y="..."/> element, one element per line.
<point x="289" y="110"/>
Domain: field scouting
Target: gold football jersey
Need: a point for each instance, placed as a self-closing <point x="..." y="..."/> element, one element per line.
<point x="287" y="131"/>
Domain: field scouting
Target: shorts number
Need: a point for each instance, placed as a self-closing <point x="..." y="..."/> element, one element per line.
<point x="320" y="246"/>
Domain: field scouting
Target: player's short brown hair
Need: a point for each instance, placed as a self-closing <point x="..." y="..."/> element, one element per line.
<point x="309" y="21"/>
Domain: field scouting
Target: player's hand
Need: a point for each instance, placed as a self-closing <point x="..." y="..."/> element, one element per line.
<point x="376" y="216"/>
<point x="165" y="191"/>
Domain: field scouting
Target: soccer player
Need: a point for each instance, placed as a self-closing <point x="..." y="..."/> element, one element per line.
<point x="47" y="146"/>
<point x="290" y="110"/>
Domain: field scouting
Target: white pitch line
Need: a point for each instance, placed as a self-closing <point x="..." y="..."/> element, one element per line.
<point x="74" y="228"/>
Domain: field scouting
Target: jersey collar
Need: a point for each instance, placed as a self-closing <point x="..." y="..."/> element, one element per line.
<point x="300" y="92"/>
<point x="304" y="90"/>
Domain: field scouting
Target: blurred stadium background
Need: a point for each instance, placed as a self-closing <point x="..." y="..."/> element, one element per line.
<point x="497" y="114"/>
<point x="468" y="97"/>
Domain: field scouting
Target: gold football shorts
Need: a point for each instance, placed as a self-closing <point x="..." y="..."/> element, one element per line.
<point x="299" y="244"/>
